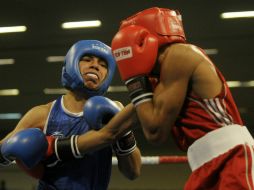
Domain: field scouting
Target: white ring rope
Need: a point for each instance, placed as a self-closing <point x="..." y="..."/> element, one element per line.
<point x="155" y="160"/>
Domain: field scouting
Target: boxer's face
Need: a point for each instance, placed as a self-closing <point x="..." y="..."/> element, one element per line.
<point x="93" y="70"/>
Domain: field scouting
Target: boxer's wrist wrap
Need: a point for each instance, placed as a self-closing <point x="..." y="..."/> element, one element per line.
<point x="125" y="145"/>
<point x="140" y="89"/>
<point x="67" y="148"/>
<point x="3" y="160"/>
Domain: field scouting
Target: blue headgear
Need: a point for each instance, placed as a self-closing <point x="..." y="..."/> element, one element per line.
<point x="71" y="76"/>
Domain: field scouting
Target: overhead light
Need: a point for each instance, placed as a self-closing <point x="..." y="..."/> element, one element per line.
<point x="81" y="24"/>
<point x="233" y="84"/>
<point x="9" y="29"/>
<point x="54" y="91"/>
<point x="10" y="115"/>
<point x="9" y="92"/>
<point x="52" y="59"/>
<point x="242" y="14"/>
<point x="113" y="89"/>
<point x="55" y="58"/>
<point x="249" y="83"/>
<point x="211" y="51"/>
<point x="51" y="91"/>
<point x="7" y="61"/>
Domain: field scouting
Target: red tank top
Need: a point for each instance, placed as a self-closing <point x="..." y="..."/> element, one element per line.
<point x="200" y="116"/>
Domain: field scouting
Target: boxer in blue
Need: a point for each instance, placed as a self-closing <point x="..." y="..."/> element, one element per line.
<point x="67" y="143"/>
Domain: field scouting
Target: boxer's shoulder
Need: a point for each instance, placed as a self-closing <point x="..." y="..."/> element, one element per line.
<point x="41" y="109"/>
<point x="179" y="59"/>
<point x="35" y="117"/>
<point x="181" y="50"/>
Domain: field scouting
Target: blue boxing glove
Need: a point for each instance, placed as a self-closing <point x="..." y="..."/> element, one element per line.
<point x="98" y="110"/>
<point x="29" y="146"/>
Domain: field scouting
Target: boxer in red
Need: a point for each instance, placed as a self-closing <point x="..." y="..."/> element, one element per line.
<point x="176" y="88"/>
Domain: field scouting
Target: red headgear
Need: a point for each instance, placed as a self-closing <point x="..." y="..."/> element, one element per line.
<point x="165" y="24"/>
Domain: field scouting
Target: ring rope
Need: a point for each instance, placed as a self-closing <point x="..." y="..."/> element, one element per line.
<point x="155" y="160"/>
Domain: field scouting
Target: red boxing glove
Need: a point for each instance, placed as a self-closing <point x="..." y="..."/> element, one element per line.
<point x="135" y="50"/>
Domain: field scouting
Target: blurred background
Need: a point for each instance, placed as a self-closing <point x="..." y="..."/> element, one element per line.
<point x="31" y="61"/>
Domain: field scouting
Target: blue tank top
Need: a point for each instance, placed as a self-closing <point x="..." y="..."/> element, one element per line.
<point x="89" y="173"/>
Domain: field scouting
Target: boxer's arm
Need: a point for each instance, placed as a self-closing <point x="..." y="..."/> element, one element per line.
<point x="130" y="165"/>
<point x="128" y="154"/>
<point x="159" y="115"/>
<point x="117" y="126"/>
<point x="98" y="112"/>
<point x="129" y="161"/>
